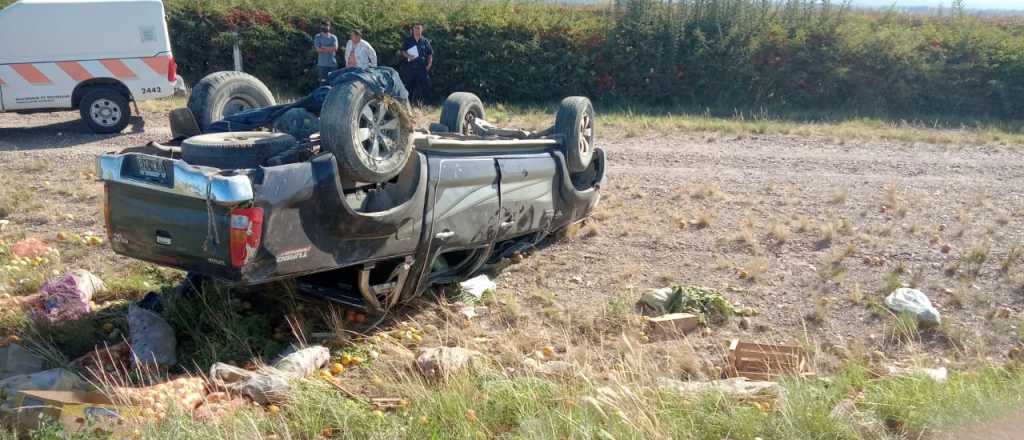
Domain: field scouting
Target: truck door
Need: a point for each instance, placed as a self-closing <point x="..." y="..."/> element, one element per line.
<point x="464" y="213"/>
<point x="527" y="200"/>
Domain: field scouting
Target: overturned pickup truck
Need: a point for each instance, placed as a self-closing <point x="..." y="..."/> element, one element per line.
<point x="367" y="212"/>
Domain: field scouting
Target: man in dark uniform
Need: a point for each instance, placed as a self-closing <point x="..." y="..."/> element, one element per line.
<point x="420" y="57"/>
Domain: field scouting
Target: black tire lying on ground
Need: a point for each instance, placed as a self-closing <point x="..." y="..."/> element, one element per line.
<point x="574" y="122"/>
<point x="458" y="108"/>
<point x="221" y="94"/>
<point x="183" y="123"/>
<point x="235" y="150"/>
<point x="370" y="134"/>
<point x="105" y="109"/>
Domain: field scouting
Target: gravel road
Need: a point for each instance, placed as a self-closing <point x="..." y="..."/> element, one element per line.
<point x="810" y="232"/>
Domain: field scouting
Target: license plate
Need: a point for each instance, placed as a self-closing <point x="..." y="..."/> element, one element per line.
<point x="152" y="169"/>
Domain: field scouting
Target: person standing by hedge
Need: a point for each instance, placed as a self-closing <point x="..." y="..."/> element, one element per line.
<point x="420" y="57"/>
<point x="326" y="45"/>
<point x="359" y="52"/>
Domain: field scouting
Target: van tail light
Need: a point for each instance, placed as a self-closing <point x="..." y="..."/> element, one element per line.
<point x="246" y="231"/>
<point x="172" y="69"/>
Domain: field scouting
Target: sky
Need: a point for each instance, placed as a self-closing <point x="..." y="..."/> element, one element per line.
<point x="971" y="4"/>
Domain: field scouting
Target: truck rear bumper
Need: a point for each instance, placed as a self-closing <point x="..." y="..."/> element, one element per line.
<point x="179" y="178"/>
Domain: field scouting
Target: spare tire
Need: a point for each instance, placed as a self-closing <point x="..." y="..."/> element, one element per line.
<point x="235" y="150"/>
<point x="458" y="109"/>
<point x="574" y="123"/>
<point x="370" y="134"/>
<point x="221" y="94"/>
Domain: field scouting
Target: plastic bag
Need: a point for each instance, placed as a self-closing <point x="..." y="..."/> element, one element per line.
<point x="477" y="285"/>
<point x="915" y="302"/>
<point x="66" y="298"/>
<point x="152" y="338"/>
<point x="57" y="379"/>
<point x="16" y="360"/>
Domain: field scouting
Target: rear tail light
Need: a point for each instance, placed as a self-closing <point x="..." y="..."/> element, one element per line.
<point x="172" y="69"/>
<point x="246" y="231"/>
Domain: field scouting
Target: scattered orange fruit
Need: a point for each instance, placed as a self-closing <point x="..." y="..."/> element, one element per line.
<point x="549" y="351"/>
<point x="337" y="368"/>
<point x="273" y="410"/>
<point x="346" y="359"/>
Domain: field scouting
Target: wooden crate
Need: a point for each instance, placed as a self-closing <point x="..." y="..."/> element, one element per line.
<point x="765" y="361"/>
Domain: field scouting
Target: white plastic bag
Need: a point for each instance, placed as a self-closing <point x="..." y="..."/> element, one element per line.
<point x="477" y="285"/>
<point x="912" y="301"/>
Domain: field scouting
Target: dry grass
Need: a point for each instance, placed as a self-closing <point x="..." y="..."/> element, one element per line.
<point x="633" y="123"/>
<point x="778" y="233"/>
<point x="754" y="269"/>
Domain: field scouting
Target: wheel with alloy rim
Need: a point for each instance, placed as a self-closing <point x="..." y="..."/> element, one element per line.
<point x="105" y="110"/>
<point x="370" y="134"/>
<point x="574" y="123"/>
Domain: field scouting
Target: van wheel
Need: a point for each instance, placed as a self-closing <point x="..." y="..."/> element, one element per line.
<point x="221" y="94"/>
<point x="574" y="122"/>
<point x="235" y="150"/>
<point x="459" y="110"/>
<point x="105" y="110"/>
<point x="369" y="134"/>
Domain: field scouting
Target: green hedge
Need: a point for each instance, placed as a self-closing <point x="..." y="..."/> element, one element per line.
<point x="717" y="54"/>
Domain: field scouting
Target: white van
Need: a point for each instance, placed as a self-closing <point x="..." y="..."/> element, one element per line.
<point x="94" y="55"/>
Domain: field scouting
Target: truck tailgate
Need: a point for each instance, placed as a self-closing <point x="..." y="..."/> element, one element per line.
<point x="170" y="213"/>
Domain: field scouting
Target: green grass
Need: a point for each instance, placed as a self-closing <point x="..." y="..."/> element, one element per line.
<point x="488" y="403"/>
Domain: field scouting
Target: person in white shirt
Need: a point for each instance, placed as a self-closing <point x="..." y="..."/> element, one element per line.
<point x="358" y="52"/>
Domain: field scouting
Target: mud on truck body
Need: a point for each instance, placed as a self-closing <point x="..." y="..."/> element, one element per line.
<point x="368" y="211"/>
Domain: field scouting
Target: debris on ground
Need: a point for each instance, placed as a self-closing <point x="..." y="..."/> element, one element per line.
<point x="708" y="304"/>
<point x="304" y="362"/>
<point x="939" y="375"/>
<point x="442" y="362"/>
<point x="550" y="368"/>
<point x="31" y="247"/>
<point x="57" y="379"/>
<point x="154" y="402"/>
<point x="477" y="285"/>
<point x="672" y="325"/>
<point x="16" y="360"/>
<point x="152" y="338"/>
<point x="67" y="298"/>
<point x="914" y="302"/>
<point x="739" y="388"/>
<point x="765" y="361"/>
<point x="469" y="311"/>
<point x="104" y="360"/>
<point x="269" y="385"/>
<point x="75" y="411"/>
<point x="867" y="426"/>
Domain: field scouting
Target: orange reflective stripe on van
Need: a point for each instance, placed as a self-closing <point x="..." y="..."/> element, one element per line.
<point x="31" y="74"/>
<point x="74" y="70"/>
<point x="118" y="68"/>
